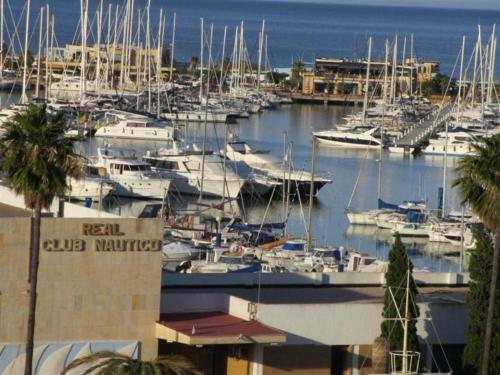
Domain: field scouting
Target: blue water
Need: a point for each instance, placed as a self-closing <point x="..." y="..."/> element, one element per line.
<point x="300" y="31"/>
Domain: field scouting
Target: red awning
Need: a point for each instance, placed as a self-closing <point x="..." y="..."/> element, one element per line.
<point x="214" y="327"/>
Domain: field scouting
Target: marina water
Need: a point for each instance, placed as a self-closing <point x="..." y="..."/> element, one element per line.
<point x="303" y="31"/>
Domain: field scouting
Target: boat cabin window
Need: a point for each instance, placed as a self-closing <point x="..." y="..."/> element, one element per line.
<point x="117" y="168"/>
<point x="239" y="147"/>
<point x="137" y="168"/>
<point x="167" y="164"/>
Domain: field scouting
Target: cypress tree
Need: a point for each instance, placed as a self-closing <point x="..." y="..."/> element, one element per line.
<point x="395" y="278"/>
<point x="480" y="267"/>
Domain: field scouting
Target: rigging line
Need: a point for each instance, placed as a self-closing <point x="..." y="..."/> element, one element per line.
<point x="363" y="162"/>
<point x="433" y="328"/>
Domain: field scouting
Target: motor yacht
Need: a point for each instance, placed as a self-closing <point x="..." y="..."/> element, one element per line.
<point x="359" y="137"/>
<point x="250" y="160"/>
<point x="184" y="168"/>
<point x="119" y="124"/>
<point x="132" y="177"/>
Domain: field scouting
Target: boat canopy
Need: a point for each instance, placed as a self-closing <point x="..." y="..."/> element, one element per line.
<point x="384" y="204"/>
<point x="294" y="246"/>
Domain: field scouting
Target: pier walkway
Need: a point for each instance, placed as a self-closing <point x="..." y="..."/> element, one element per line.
<point x="416" y="134"/>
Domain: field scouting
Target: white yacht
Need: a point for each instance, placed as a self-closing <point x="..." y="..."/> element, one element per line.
<point x="195" y="116"/>
<point x="70" y="88"/>
<point x="88" y="186"/>
<point x="262" y="161"/>
<point x="184" y="168"/>
<point x="457" y="143"/>
<point x="132" y="177"/>
<point x="131" y="126"/>
<point x="358" y="137"/>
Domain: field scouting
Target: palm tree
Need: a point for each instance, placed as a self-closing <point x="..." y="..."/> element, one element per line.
<point x="479" y="183"/>
<point x="106" y="362"/>
<point x="35" y="160"/>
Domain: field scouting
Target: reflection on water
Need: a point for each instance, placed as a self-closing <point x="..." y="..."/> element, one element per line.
<point x="402" y="178"/>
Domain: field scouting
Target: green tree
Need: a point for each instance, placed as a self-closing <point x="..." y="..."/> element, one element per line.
<point x="438" y="85"/>
<point x="296" y="74"/>
<point x="480" y="266"/>
<point x="479" y="183"/>
<point x="396" y="278"/>
<point x="105" y="362"/>
<point x="35" y="159"/>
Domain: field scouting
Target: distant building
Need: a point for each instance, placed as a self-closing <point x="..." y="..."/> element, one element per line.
<point x="345" y="77"/>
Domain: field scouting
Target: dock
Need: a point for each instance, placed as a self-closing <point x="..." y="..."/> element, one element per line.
<point x="327" y="98"/>
<point x="415" y="135"/>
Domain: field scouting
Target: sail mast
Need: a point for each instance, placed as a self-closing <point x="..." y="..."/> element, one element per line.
<point x="386" y="64"/>
<point x="311" y="197"/>
<point x="405" y="369"/>
<point x="171" y="74"/>
<point x="158" y="65"/>
<point x="206" y="112"/>
<point x="261" y="46"/>
<point x="222" y="61"/>
<point x="367" y="82"/>
<point x="202" y="44"/>
<point x="39" y="58"/>
<point x="24" y="97"/>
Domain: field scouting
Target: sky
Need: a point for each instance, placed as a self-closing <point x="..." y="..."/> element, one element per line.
<point x="460" y="4"/>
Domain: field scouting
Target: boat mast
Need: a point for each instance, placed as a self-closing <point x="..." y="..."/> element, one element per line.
<point x="241" y="67"/>
<point x="124" y="42"/>
<point x="83" y="83"/>
<point x="405" y="369"/>
<point x="234" y="59"/>
<point x="24" y="97"/>
<point x="394" y="69"/>
<point x="202" y="43"/>
<point x="148" y="51"/>
<point x="311" y="197"/>
<point x="474" y="75"/>
<point x="445" y="160"/>
<point x="261" y="46"/>
<point x="39" y="59"/>
<point x="491" y="65"/>
<point x="386" y="65"/>
<point x="129" y="43"/>
<point x="481" y="72"/>
<point x="47" y="33"/>
<point x="460" y="83"/>
<point x="98" y="52"/>
<point x="367" y="82"/>
<point x="403" y="65"/>
<point x="1" y="36"/>
<point x="222" y="63"/>
<point x="209" y="66"/>
<point x="158" y="63"/>
<point x="171" y="75"/>
<point x="411" y="64"/>
<point x="108" y="42"/>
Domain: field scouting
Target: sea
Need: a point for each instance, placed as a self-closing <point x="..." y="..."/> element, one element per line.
<point x="302" y="31"/>
<point x="297" y="31"/>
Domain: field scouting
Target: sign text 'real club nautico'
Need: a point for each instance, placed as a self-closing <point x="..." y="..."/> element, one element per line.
<point x="111" y="241"/>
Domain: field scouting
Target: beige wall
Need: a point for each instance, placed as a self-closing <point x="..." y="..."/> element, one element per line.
<point x="82" y="295"/>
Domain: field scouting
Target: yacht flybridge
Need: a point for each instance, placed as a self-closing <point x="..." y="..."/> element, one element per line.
<point x="359" y="137"/>
<point x="262" y="161"/>
<point x="131" y="177"/>
<point x="120" y="124"/>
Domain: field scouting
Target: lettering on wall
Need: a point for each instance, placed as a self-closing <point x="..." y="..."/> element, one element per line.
<point x="102" y="244"/>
